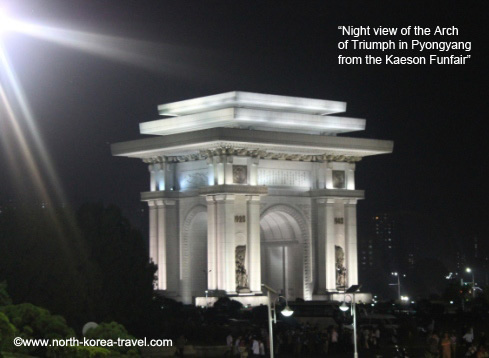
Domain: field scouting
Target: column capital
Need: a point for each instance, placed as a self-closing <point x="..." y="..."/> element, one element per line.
<point x="152" y="203"/>
<point x="324" y="201"/>
<point x="159" y="166"/>
<point x="351" y="201"/>
<point x="224" y="197"/>
<point x="253" y="199"/>
<point x="165" y="202"/>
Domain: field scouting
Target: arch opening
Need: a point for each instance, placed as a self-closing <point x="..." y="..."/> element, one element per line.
<point x="194" y="247"/>
<point x="281" y="254"/>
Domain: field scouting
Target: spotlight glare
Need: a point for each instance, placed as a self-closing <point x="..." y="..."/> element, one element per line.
<point x="4" y="21"/>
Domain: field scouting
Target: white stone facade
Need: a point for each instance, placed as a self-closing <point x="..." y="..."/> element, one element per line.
<point x="248" y="189"/>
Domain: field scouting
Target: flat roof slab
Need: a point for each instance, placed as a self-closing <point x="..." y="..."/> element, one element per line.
<point x="251" y="100"/>
<point x="258" y="119"/>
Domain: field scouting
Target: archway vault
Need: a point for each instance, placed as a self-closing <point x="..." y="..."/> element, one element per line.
<point x="193" y="254"/>
<point x="286" y="242"/>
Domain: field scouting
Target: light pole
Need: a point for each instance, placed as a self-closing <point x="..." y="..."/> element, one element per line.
<point x="287" y="312"/>
<point x="469" y="270"/>
<point x="344" y="308"/>
<point x="398" y="284"/>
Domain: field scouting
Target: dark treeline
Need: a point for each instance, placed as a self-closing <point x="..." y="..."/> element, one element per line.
<point x="88" y="265"/>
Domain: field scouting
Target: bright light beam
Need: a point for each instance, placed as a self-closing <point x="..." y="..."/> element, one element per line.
<point x="120" y="49"/>
<point x="23" y="143"/>
<point x="27" y="153"/>
<point x="33" y="129"/>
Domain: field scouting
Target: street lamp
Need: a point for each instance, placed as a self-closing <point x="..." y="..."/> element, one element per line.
<point x="287" y="312"/>
<point x="469" y="270"/>
<point x="344" y="307"/>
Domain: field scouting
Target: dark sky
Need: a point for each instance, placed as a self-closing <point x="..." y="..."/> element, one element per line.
<point x="156" y="52"/>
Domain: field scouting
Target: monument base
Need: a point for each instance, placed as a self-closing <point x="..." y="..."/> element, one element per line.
<point x="247" y="300"/>
<point x="252" y="299"/>
<point x="360" y="297"/>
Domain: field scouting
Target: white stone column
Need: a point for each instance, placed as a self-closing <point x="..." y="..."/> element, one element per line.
<point x="329" y="176"/>
<point x="152" y="180"/>
<point x="161" y="261"/>
<point x="210" y="168"/>
<point x="228" y="170"/>
<point x="254" y="250"/>
<point x="226" y="243"/>
<point x="172" y="236"/>
<point x="350" y="177"/>
<point x="330" y="246"/>
<point x="351" y="241"/>
<point x="321" y="176"/>
<point x="153" y="231"/>
<point x="220" y="169"/>
<point x="159" y="176"/>
<point x="326" y="246"/>
<point x="212" y="248"/>
<point x="254" y="171"/>
<point x="169" y="177"/>
<point x="321" y="244"/>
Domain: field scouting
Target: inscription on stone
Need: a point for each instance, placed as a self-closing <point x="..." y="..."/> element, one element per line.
<point x="281" y="177"/>
<point x="239" y="218"/>
<point x="338" y="220"/>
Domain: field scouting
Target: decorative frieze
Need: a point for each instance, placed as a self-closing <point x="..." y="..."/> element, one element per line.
<point x="193" y="179"/>
<point x="254" y="153"/>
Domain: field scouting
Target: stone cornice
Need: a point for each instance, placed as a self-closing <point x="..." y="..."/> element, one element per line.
<point x="192" y="143"/>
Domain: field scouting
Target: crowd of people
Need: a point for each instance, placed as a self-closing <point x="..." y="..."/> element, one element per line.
<point x="448" y="345"/>
<point x="301" y="340"/>
<point x="250" y="345"/>
<point x="311" y="340"/>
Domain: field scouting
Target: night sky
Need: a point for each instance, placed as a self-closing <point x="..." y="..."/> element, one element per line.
<point x="138" y="54"/>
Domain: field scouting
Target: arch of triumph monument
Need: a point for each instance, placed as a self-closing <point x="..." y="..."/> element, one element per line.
<point x="249" y="188"/>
